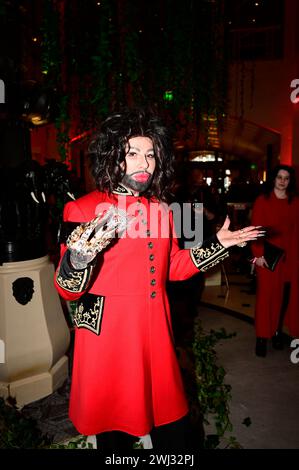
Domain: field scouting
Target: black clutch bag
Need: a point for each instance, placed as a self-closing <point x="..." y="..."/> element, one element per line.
<point x="272" y="254"/>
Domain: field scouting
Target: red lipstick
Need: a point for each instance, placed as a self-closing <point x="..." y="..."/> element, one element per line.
<point x="141" y="177"/>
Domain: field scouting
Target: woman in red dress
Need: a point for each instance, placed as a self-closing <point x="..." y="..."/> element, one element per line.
<point x="277" y="299"/>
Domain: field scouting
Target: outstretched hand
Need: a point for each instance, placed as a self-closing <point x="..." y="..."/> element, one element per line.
<point x="229" y="238"/>
<point x="88" y="239"/>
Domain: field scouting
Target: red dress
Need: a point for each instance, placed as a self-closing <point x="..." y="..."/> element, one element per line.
<point x="126" y="376"/>
<point x="282" y="218"/>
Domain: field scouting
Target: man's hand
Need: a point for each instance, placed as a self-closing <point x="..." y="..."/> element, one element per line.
<point x="88" y="239"/>
<point x="228" y="238"/>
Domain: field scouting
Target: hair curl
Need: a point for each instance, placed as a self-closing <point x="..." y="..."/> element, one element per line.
<point x="107" y="151"/>
<point x="291" y="189"/>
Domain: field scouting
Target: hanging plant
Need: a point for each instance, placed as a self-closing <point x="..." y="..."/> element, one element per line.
<point x="135" y="53"/>
<point x="62" y="124"/>
<point x="51" y="57"/>
<point x="52" y="65"/>
<point x="102" y="60"/>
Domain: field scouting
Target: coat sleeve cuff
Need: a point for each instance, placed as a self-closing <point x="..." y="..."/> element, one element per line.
<point x="209" y="254"/>
<point x="71" y="279"/>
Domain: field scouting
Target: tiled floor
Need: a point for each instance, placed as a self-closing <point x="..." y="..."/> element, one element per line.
<point x="238" y="297"/>
<point x="265" y="390"/>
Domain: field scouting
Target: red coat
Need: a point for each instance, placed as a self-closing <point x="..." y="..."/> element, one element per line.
<point x="282" y="218"/>
<point x="127" y="377"/>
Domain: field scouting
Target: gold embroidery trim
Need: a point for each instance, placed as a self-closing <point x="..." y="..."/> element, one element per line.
<point x="206" y="258"/>
<point x="76" y="282"/>
<point x="121" y="190"/>
<point x="91" y="318"/>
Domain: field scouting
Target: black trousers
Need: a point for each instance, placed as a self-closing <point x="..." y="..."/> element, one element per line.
<point x="284" y="305"/>
<point x="174" y="436"/>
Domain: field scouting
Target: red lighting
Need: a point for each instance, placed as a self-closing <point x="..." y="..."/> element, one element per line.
<point x="80" y="136"/>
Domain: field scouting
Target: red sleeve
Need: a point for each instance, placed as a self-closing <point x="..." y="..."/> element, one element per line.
<point x="181" y="266"/>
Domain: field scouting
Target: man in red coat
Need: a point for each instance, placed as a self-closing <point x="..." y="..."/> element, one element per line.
<point x="126" y="379"/>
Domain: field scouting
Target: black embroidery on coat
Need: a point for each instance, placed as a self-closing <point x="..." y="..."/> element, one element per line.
<point x="71" y="279"/>
<point x="89" y="312"/>
<point x="209" y="254"/>
<point x="121" y="190"/>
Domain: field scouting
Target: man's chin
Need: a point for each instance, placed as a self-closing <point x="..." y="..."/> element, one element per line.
<point x="139" y="186"/>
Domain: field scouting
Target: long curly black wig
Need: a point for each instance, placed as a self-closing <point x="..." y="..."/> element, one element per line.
<point x="107" y="151"/>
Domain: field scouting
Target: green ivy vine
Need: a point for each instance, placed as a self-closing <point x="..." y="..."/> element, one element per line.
<point x="100" y="56"/>
<point x="214" y="395"/>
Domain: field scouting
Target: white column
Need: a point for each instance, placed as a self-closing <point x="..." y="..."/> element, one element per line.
<point x="33" y="331"/>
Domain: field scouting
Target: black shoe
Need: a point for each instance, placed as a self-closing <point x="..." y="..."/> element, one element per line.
<point x="277" y="340"/>
<point x="261" y="347"/>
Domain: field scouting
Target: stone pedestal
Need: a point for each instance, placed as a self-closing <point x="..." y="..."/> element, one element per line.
<point x="33" y="331"/>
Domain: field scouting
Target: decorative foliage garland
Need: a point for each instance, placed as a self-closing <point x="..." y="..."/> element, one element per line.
<point x="52" y="64"/>
<point x="102" y="60"/>
<point x="171" y="55"/>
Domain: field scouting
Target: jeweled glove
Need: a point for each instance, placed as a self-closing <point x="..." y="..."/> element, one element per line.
<point x="89" y="239"/>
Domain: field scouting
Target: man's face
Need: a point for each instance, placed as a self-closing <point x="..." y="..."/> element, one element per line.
<point x="140" y="164"/>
